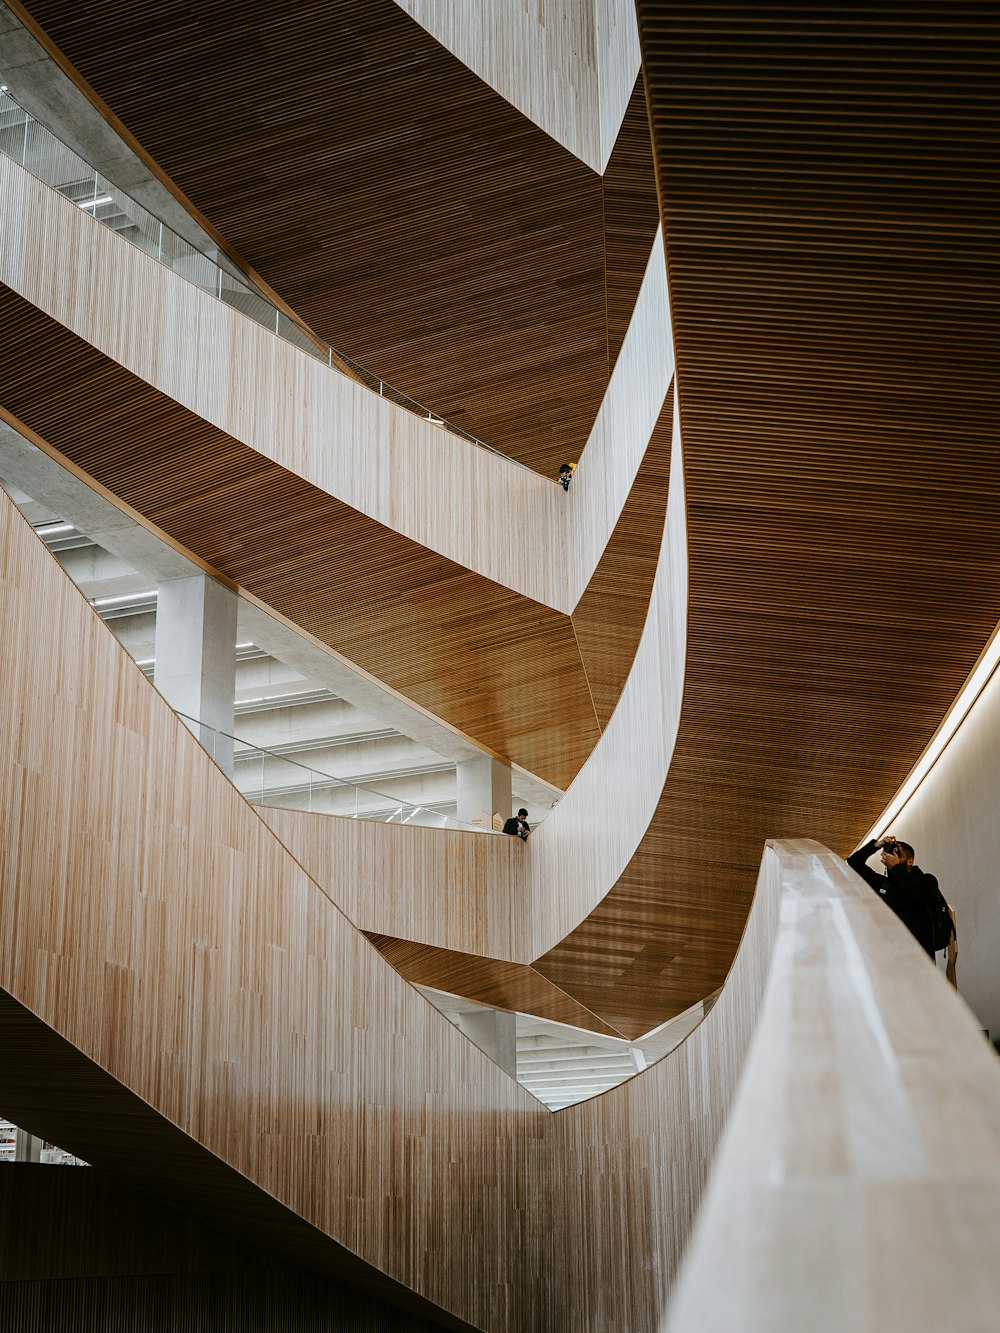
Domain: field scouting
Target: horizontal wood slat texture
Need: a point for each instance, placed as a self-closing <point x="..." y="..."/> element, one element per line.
<point x="830" y="230"/>
<point x="188" y="1006"/>
<point x="409" y="214"/>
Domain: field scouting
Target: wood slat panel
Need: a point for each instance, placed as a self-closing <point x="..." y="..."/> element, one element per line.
<point x="511" y="986"/>
<point x="436" y="244"/>
<point x="610" y="615"/>
<point x="188" y="1006"/>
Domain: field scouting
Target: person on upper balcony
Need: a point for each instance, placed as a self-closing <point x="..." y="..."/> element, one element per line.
<point x="906" y="889"/>
<point x="518" y="825"/>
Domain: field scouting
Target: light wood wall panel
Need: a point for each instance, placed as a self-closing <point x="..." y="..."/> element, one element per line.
<point x="541" y="59"/>
<point x="518" y="903"/>
<point x="618" y="60"/>
<point x="570" y="68"/>
<point x="858" y="1185"/>
<point x="231" y="1040"/>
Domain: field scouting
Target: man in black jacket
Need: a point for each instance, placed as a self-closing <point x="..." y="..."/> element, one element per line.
<point x="910" y="893"/>
<point x="518" y="825"/>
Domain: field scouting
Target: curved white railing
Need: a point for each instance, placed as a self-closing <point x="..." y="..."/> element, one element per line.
<point x="858" y="1182"/>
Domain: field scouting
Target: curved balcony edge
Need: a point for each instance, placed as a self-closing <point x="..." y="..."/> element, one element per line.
<point x="858" y="1182"/>
<point x="515" y="527"/>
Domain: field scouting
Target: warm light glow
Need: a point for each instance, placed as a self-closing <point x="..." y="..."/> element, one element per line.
<point x="953" y="719"/>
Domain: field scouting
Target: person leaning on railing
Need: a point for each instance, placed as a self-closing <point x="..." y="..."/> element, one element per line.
<point x="518" y="825"/>
<point x="909" y="891"/>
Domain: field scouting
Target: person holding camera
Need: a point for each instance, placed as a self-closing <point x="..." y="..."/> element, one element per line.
<point x="906" y="889"/>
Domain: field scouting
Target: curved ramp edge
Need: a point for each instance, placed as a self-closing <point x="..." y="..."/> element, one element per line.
<point x="858" y="1183"/>
<point x="514" y="903"/>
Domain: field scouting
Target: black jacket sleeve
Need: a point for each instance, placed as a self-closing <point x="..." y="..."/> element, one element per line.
<point x="858" y="862"/>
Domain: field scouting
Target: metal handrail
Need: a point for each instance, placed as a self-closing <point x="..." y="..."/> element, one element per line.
<point x="448" y="821"/>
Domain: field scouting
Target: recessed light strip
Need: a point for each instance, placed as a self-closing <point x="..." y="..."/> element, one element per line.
<point x="975" y="683"/>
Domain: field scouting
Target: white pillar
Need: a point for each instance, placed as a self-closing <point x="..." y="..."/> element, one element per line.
<point x="483" y="788"/>
<point x="495" y="1032"/>
<point x="27" y="1147"/>
<point x="196" y="658"/>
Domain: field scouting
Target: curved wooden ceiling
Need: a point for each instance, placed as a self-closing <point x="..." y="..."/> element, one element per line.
<point x="831" y="230"/>
<point x="409" y="214"/>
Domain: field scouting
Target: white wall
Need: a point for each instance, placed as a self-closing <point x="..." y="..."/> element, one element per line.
<point x="953" y="822"/>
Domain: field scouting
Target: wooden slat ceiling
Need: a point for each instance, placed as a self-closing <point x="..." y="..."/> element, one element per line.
<point x="404" y="210"/>
<point x="829" y="193"/>
<point x="829" y="206"/>
<point x="514" y="987"/>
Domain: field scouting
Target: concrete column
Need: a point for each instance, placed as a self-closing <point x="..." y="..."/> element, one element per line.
<point x="27" y="1147"/>
<point x="483" y="787"/>
<point x="495" y="1032"/>
<point x="196" y="658"/>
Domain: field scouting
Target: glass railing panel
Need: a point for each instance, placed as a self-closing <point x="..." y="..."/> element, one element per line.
<point x="40" y="152"/>
<point x="264" y="777"/>
<point x="57" y="165"/>
<point x="123" y="215"/>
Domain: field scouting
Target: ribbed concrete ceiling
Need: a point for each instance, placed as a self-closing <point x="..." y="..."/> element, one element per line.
<point x="408" y="213"/>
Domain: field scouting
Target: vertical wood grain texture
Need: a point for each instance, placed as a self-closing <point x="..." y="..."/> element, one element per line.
<point x="858" y="1184"/>
<point x="149" y="918"/>
<point x="618" y="60"/>
<point x="544" y="61"/>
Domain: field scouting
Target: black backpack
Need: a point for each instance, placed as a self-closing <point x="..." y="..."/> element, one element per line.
<point x="942" y="926"/>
